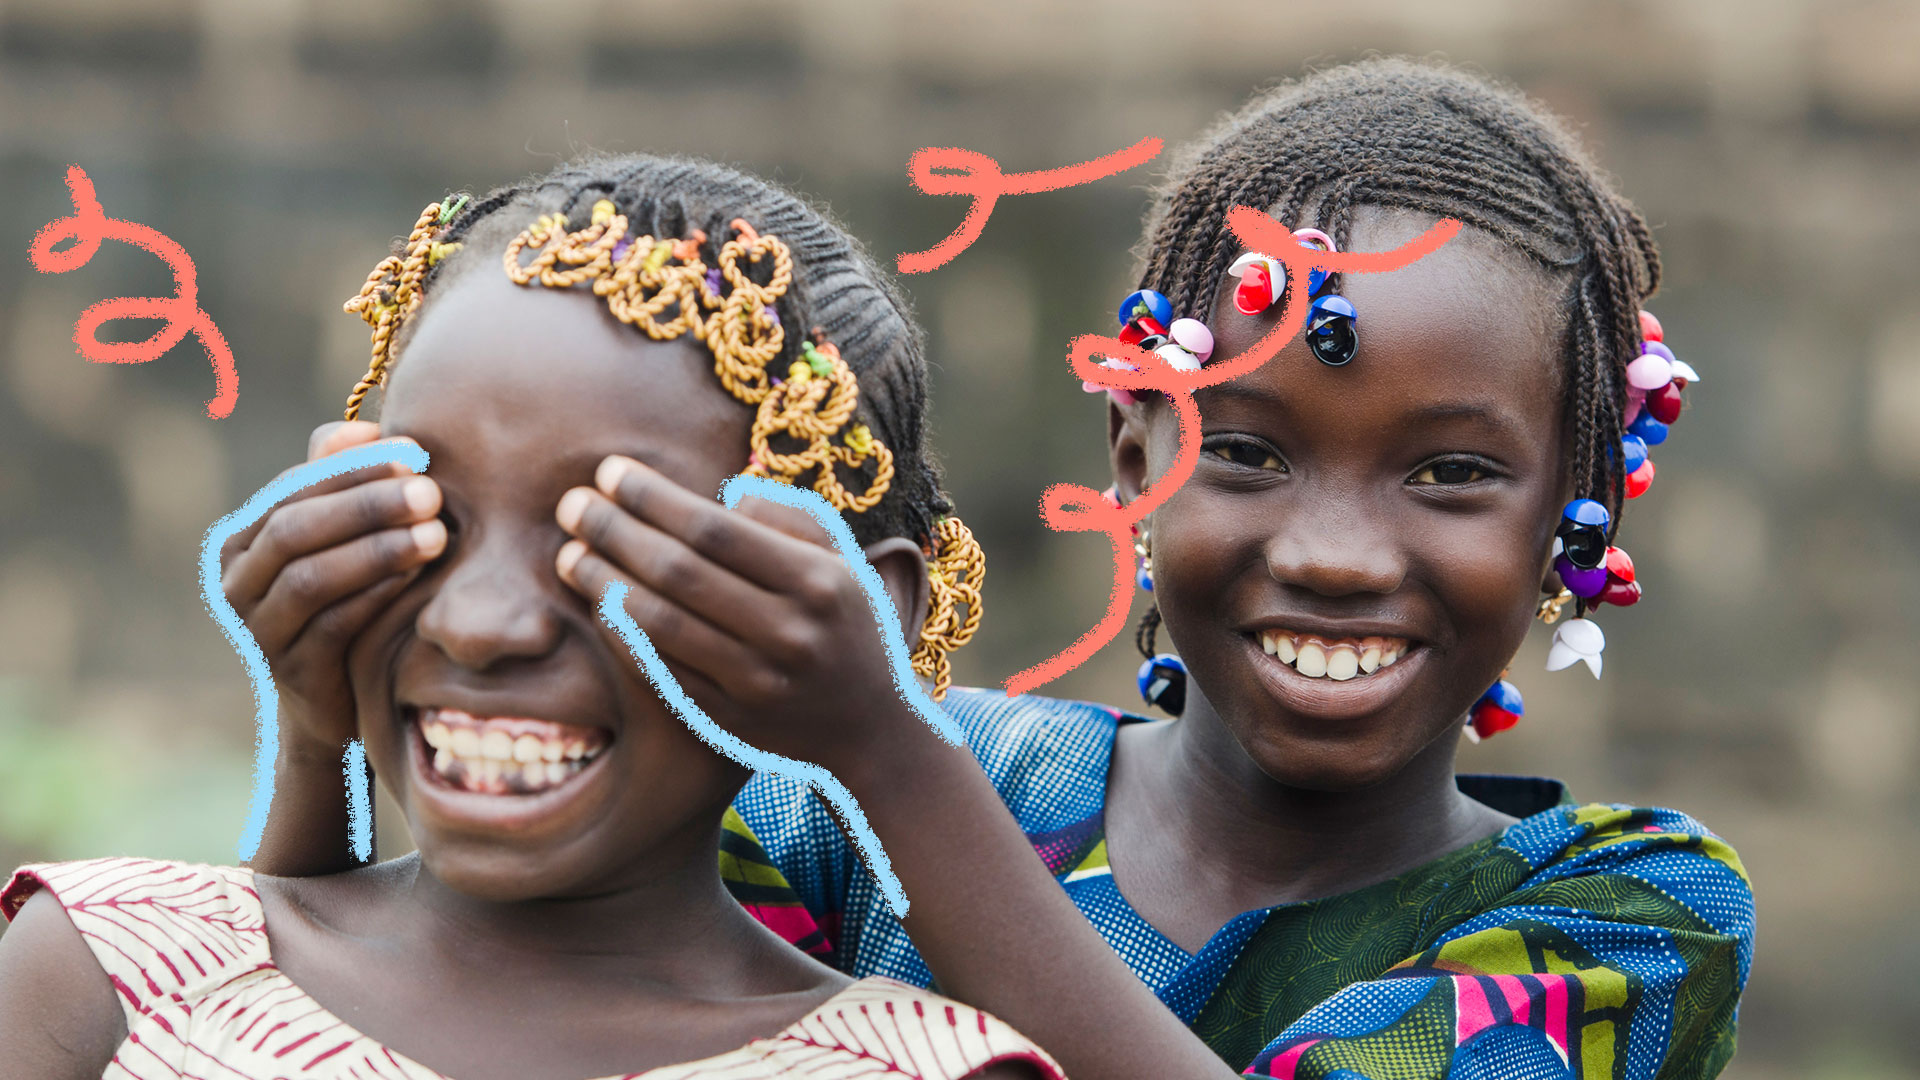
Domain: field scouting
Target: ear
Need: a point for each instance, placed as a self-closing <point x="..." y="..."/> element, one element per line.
<point x="903" y="566"/>
<point x="1127" y="448"/>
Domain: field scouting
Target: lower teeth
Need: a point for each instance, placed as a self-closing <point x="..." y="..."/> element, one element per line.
<point x="495" y="777"/>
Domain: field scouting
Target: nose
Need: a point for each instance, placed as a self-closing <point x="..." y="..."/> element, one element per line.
<point x="1333" y="549"/>
<point x="494" y="606"/>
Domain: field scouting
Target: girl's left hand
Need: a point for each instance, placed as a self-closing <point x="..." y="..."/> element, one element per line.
<point x="753" y="608"/>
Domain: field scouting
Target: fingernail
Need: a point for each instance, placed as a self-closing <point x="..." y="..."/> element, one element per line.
<point x="430" y="537"/>
<point x="607" y="477"/>
<point x="573" y="506"/>
<point x="422" y="495"/>
<point x="569" y="557"/>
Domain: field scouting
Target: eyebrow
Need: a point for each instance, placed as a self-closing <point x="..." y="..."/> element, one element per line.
<point x="1441" y="411"/>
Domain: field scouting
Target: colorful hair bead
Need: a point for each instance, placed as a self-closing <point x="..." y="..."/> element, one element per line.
<point x="1577" y="641"/>
<point x="1651" y="431"/>
<point x="1649" y="371"/>
<point x="1163" y="682"/>
<point x="1664" y="404"/>
<point x="1330" y="330"/>
<point x="1263" y="279"/>
<point x="1582" y="539"/>
<point x="1640" y="479"/>
<point x="1650" y="327"/>
<point x="1497" y="710"/>
<point x="1316" y="278"/>
<point x="1146" y="302"/>
<point x="1193" y="336"/>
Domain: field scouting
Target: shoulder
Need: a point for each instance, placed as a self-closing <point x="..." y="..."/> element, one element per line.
<point x="1638" y="864"/>
<point x="59" y="1015"/>
<point x="160" y="930"/>
<point x="1048" y="757"/>
<point x="942" y="1038"/>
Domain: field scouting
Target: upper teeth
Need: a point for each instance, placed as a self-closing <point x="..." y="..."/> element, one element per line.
<point x="499" y="755"/>
<point x="1340" y="659"/>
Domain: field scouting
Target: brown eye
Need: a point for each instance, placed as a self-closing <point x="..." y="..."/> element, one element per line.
<point x="1450" y="472"/>
<point x="1249" y="455"/>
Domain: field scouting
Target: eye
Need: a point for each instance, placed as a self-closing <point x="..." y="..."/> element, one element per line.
<point x="1246" y="453"/>
<point x="1450" y="472"/>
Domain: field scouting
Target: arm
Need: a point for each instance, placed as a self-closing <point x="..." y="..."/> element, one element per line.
<point x="784" y="652"/>
<point x="305" y="580"/>
<point x="59" y="1019"/>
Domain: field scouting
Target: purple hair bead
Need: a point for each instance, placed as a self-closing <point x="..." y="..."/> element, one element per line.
<point x="713" y="281"/>
<point x="620" y="249"/>
<point x="1585" y="584"/>
<point x="1659" y="350"/>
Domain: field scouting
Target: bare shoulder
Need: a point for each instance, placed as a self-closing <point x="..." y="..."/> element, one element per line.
<point x="59" y="1018"/>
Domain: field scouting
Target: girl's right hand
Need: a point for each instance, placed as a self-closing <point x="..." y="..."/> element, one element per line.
<point x="307" y="577"/>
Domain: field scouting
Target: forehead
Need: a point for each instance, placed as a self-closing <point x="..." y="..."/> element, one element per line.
<point x="1474" y="323"/>
<point x="502" y="371"/>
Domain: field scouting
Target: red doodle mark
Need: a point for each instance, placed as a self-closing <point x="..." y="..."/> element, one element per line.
<point x="1077" y="508"/>
<point x="88" y="226"/>
<point x="968" y="172"/>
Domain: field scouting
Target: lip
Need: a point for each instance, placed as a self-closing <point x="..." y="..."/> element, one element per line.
<point x="442" y="807"/>
<point x="1328" y="699"/>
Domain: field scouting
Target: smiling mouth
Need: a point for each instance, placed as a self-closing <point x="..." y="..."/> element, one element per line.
<point x="498" y="755"/>
<point x="1339" y="659"/>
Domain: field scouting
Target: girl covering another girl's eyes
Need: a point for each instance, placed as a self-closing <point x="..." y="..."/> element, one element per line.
<point x="565" y="914"/>
<point x="1293" y="865"/>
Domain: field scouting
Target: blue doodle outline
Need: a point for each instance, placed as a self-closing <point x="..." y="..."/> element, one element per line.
<point x="266" y="699"/>
<point x="613" y="612"/>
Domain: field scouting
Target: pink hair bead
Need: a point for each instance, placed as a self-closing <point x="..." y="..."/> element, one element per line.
<point x="1193" y="336"/>
<point x="1649" y="372"/>
<point x="1650" y="327"/>
<point x="1314" y="236"/>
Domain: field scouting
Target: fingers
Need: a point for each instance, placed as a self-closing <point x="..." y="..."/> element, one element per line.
<point x="329" y="630"/>
<point x="331" y="438"/>
<point x="794" y="522"/>
<point x="241" y="540"/>
<point x="311" y="584"/>
<point x="759" y="552"/>
<point x="310" y="525"/>
<point x="677" y="633"/>
<point x="664" y="564"/>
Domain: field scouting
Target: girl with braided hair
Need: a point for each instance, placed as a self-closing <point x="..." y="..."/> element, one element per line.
<point x="565" y="914"/>
<point x="1293" y="866"/>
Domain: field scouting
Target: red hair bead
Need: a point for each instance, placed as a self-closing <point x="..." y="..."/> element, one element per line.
<point x="1664" y="403"/>
<point x="1640" y="479"/>
<point x="1649" y="327"/>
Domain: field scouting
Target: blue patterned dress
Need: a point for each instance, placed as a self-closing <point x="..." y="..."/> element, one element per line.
<point x="1584" y="941"/>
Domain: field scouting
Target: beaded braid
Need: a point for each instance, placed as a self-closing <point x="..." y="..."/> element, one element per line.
<point x="1401" y="134"/>
<point x="667" y="288"/>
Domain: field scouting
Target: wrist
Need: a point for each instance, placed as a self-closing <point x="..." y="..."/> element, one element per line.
<point x="304" y="748"/>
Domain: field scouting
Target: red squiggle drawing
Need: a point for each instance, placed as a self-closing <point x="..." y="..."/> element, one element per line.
<point x="969" y="172"/>
<point x="182" y="313"/>
<point x="1078" y="508"/>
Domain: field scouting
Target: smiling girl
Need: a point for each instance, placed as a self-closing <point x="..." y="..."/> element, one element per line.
<point x="1293" y="865"/>
<point x="565" y="914"/>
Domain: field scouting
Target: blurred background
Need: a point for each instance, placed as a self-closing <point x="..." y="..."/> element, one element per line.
<point x="1767" y="684"/>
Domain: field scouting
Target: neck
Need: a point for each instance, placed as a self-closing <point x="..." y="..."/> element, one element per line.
<point x="1286" y="843"/>
<point x="667" y="921"/>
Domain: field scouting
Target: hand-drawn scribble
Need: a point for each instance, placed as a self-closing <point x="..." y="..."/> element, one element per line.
<point x="613" y="612"/>
<point x="969" y="172"/>
<point x="266" y="699"/>
<point x="181" y="312"/>
<point x="1078" y="508"/>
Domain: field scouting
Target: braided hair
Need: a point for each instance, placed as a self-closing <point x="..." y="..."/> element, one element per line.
<point x="836" y="287"/>
<point x="1425" y="137"/>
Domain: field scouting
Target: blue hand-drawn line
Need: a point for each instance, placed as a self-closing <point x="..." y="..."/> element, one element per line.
<point x="613" y="612"/>
<point x="266" y="699"/>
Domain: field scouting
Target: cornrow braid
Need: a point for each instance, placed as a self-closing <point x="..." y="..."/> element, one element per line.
<point x="1423" y="137"/>
<point x="830" y="284"/>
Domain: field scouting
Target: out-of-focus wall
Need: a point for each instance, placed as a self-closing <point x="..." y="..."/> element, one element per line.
<point x="1766" y="684"/>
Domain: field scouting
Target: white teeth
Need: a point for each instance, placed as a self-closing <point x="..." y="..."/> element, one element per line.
<point x="551" y="750"/>
<point x="496" y="745"/>
<point x="442" y="762"/>
<point x="576" y="750"/>
<point x="466" y="742"/>
<point x="438" y="736"/>
<point x="491" y="770"/>
<point x="1342" y="660"/>
<point x="526" y="749"/>
<point x="1312" y="661"/>
<point x="556" y="772"/>
<point x="1342" y="663"/>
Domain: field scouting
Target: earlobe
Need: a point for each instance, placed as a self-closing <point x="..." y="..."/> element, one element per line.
<point x="903" y="566"/>
<point x="1126" y="450"/>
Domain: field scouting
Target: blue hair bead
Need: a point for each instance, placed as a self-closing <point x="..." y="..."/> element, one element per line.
<point x="1650" y="431"/>
<point x="1587" y="512"/>
<point x="1163" y="682"/>
<point x="1157" y="306"/>
<point x="1635" y="450"/>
